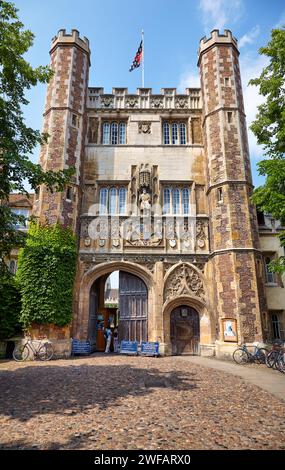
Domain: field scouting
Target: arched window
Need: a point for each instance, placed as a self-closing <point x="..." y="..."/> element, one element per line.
<point x="112" y="201"/>
<point x="122" y="133"/>
<point x="106" y="133"/>
<point x="166" y="140"/>
<point x="176" y="201"/>
<point x="174" y="134"/>
<point x="114" y="133"/>
<point x="103" y="201"/>
<point x="166" y="201"/>
<point x="182" y="128"/>
<point x="122" y="201"/>
<point x="185" y="201"/>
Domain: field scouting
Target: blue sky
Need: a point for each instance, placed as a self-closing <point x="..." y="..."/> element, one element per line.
<point x="172" y="33"/>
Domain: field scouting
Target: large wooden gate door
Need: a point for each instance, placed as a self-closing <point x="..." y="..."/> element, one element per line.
<point x="92" y="327"/>
<point x="132" y="307"/>
<point x="185" y="330"/>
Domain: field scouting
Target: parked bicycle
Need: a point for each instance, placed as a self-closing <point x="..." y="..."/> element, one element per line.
<point x="276" y="357"/>
<point x="42" y="351"/>
<point x="243" y="356"/>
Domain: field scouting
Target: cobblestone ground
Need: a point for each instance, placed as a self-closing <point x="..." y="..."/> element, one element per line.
<point x="119" y="402"/>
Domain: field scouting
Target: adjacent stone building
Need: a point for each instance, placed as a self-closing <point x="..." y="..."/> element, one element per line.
<point x="162" y="195"/>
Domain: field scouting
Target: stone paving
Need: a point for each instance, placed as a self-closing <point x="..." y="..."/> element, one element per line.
<point x="115" y="402"/>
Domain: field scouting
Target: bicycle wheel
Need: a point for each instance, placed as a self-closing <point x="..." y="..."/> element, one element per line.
<point x="45" y="352"/>
<point x="261" y="355"/>
<point x="280" y="363"/>
<point x="240" y="356"/>
<point x="271" y="358"/>
<point x="20" y="353"/>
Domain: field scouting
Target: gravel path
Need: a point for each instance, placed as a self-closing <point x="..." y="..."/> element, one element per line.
<point x="115" y="402"/>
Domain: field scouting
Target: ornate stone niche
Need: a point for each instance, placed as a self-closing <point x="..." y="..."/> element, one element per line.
<point x="93" y="126"/>
<point x="184" y="280"/>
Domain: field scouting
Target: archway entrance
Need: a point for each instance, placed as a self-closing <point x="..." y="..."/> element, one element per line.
<point x="120" y="304"/>
<point x="184" y="330"/>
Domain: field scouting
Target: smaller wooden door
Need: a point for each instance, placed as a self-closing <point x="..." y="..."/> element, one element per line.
<point x="184" y="330"/>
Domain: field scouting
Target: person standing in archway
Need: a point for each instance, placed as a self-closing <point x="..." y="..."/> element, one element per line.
<point x="115" y="340"/>
<point x="108" y="337"/>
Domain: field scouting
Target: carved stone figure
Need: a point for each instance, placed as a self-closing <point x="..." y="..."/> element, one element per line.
<point x="145" y="201"/>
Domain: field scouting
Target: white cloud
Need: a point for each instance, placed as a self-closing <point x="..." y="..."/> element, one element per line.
<point x="216" y="14"/>
<point x="249" y="37"/>
<point x="189" y="79"/>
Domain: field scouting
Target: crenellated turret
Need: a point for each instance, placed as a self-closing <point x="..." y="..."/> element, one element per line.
<point x="234" y="234"/>
<point x="65" y="122"/>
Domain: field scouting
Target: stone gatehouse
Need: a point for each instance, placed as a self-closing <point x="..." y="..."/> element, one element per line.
<point x="162" y="195"/>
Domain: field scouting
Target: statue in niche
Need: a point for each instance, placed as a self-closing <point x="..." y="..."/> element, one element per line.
<point x="145" y="201"/>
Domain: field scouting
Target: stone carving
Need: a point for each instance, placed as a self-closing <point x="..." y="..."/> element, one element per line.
<point x="201" y="236"/>
<point x="144" y="176"/>
<point x="184" y="280"/>
<point x="156" y="103"/>
<point x="132" y="103"/>
<point x="144" y="127"/>
<point x="87" y="241"/>
<point x="144" y="242"/>
<point x="145" y="201"/>
<point x="187" y="237"/>
<point x="181" y="103"/>
<point x="107" y="102"/>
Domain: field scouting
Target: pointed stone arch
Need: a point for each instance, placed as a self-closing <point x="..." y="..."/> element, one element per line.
<point x="184" y="279"/>
<point x="184" y="284"/>
<point x="80" y="325"/>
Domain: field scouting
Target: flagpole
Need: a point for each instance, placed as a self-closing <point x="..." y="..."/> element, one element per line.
<point x="142" y="59"/>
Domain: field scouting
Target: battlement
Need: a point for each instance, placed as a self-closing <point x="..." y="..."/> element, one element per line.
<point x="217" y="38"/>
<point x="67" y="39"/>
<point x="120" y="98"/>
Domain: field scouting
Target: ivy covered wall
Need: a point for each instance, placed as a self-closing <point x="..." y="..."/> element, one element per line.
<point x="46" y="273"/>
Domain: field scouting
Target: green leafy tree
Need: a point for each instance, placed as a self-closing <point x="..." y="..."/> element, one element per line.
<point x="269" y="128"/>
<point x="10" y="305"/>
<point x="17" y="140"/>
<point x="45" y="275"/>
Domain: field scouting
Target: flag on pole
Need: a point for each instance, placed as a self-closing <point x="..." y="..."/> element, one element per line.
<point x="138" y="57"/>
